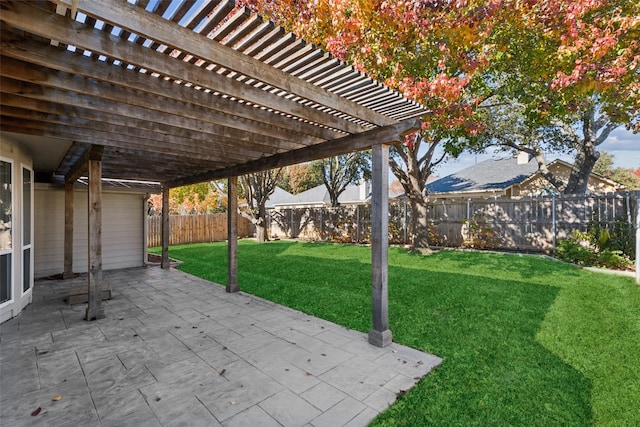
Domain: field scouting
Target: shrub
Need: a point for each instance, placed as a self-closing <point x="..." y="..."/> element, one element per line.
<point x="481" y="235"/>
<point x="613" y="259"/>
<point x="589" y="249"/>
<point x="573" y="251"/>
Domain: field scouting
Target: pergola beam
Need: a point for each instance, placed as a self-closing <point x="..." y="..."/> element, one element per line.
<point x="207" y="148"/>
<point x="362" y="141"/>
<point x="93" y="152"/>
<point x="182" y="116"/>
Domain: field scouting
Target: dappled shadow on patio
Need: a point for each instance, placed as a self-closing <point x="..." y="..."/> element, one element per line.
<point x="176" y="349"/>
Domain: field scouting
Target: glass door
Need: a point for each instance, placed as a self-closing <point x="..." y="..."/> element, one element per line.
<point x="27" y="201"/>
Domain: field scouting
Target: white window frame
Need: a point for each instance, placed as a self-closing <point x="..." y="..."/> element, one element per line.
<point x="30" y="219"/>
<point x="11" y="251"/>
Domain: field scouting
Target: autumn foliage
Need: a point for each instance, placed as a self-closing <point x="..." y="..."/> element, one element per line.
<point x="452" y="55"/>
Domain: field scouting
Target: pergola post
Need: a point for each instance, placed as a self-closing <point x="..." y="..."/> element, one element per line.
<point x="232" y="235"/>
<point x="95" y="310"/>
<point x="165" y="227"/>
<point x="68" y="230"/>
<point x="380" y="335"/>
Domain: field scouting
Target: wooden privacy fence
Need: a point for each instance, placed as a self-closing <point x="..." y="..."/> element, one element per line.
<point x="531" y="224"/>
<point x="194" y="229"/>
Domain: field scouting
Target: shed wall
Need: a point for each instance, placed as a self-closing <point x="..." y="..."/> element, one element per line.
<point x="123" y="240"/>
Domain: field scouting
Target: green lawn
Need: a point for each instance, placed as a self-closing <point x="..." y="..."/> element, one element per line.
<point x="526" y="341"/>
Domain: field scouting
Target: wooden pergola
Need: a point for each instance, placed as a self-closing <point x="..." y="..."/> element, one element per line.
<point x="184" y="92"/>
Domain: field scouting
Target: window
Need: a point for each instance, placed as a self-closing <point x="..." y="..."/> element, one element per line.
<point x="6" y="244"/>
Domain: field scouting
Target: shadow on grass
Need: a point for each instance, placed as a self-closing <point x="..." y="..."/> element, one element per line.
<point x="480" y="315"/>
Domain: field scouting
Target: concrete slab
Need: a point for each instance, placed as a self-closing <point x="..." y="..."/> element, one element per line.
<point x="175" y="350"/>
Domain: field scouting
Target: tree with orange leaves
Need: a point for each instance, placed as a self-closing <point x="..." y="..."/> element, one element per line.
<point x="562" y="64"/>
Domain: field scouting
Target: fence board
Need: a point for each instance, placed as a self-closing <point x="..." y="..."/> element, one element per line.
<point x="186" y="229"/>
<point x="513" y="224"/>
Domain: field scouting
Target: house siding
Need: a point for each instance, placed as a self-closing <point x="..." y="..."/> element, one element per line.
<point x="122" y="230"/>
<point x="537" y="185"/>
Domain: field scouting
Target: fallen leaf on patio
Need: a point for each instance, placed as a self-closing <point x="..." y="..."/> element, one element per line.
<point x="233" y="402"/>
<point x="420" y="362"/>
<point x="394" y="351"/>
<point x="177" y="327"/>
<point x="158" y="398"/>
<point x="224" y="348"/>
<point x="223" y="371"/>
<point x="36" y="412"/>
<point x="208" y="315"/>
<point x="194" y="327"/>
<point x="401" y="393"/>
<point x="323" y="354"/>
<point x="57" y="398"/>
<point x="286" y="369"/>
<point x="308" y="360"/>
<point x="308" y="373"/>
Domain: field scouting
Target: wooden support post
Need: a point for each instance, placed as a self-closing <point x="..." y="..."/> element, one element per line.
<point x="380" y="335"/>
<point x="68" y="230"/>
<point x="232" y="235"/>
<point x="165" y="227"/>
<point x="95" y="310"/>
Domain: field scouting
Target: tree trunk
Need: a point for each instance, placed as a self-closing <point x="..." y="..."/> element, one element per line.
<point x="419" y="224"/>
<point x="581" y="170"/>
<point x="261" y="233"/>
<point x="261" y="224"/>
<point x="333" y="196"/>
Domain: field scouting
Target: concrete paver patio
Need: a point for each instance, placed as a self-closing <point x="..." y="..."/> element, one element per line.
<point x="178" y="350"/>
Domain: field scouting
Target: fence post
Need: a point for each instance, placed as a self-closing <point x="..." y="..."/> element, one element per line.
<point x="357" y="223"/>
<point x="404" y="223"/>
<point x="553" y="221"/>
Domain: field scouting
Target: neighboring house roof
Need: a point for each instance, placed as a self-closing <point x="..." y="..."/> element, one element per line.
<point x="319" y="196"/>
<point x="492" y="174"/>
<point x="499" y="175"/>
<point x="279" y="195"/>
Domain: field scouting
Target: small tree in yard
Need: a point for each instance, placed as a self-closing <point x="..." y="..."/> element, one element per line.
<point x="341" y="171"/>
<point x="256" y="188"/>
<point x="627" y="177"/>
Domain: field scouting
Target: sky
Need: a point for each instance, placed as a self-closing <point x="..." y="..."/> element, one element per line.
<point x="623" y="144"/>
